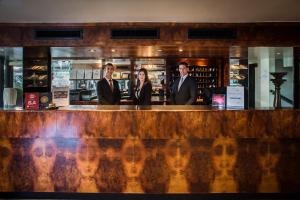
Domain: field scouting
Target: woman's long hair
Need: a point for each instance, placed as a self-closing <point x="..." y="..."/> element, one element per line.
<point x="146" y="77"/>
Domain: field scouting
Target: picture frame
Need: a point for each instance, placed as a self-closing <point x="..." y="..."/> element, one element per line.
<point x="116" y="75"/>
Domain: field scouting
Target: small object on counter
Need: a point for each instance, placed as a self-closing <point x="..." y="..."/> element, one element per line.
<point x="45" y="99"/>
<point x="86" y="97"/>
<point x="52" y="106"/>
<point x="60" y="96"/>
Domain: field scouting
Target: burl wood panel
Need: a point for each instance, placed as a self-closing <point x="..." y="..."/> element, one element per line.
<point x="147" y="151"/>
<point x="147" y="124"/>
<point x="27" y="124"/>
<point x="181" y="124"/>
<point x="132" y="165"/>
<point x="175" y="34"/>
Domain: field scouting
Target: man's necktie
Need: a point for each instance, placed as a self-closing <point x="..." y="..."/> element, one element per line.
<point x="180" y="83"/>
<point x="111" y="85"/>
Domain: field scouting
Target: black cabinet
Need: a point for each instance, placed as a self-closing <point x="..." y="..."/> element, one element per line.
<point x="36" y="69"/>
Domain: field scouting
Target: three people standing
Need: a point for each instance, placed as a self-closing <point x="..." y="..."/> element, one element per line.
<point x="184" y="90"/>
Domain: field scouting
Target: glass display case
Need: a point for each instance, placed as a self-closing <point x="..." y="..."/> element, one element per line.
<point x="36" y="69"/>
<point x="83" y="76"/>
<point x="11" y="67"/>
<point x="36" y="74"/>
<point x="238" y="72"/>
<point x="60" y="73"/>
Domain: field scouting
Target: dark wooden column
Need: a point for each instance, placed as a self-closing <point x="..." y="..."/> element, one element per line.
<point x="251" y="86"/>
<point x="1" y="79"/>
<point x="296" y="77"/>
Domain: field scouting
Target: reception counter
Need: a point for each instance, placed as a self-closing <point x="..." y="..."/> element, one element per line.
<point x="156" y="149"/>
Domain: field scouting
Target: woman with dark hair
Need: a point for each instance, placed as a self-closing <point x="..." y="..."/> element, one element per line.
<point x="143" y="89"/>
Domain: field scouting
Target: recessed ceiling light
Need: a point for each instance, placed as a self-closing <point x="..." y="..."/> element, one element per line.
<point x="92" y="50"/>
<point x="113" y="50"/>
<point x="159" y="50"/>
<point x="180" y="50"/>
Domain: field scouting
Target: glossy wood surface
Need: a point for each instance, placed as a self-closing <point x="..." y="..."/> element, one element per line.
<point x="157" y="149"/>
<point x="161" y="122"/>
<point x="172" y="37"/>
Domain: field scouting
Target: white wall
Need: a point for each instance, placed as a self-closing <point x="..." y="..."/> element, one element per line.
<point x="262" y="77"/>
<point x="81" y="11"/>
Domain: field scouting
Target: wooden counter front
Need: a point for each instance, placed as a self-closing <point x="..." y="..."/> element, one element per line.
<point x="158" y="149"/>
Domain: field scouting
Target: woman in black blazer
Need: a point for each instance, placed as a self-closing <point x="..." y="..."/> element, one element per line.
<point x="143" y="90"/>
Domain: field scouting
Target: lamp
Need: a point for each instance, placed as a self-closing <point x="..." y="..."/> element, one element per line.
<point x="278" y="81"/>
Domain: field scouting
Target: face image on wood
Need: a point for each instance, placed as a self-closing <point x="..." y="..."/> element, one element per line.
<point x="43" y="153"/>
<point x="177" y="156"/>
<point x="5" y="162"/>
<point x="268" y="158"/>
<point x="224" y="157"/>
<point x="133" y="159"/>
<point x="87" y="162"/>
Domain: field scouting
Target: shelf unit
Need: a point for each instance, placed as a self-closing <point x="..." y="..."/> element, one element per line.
<point x="238" y="72"/>
<point x="36" y="69"/>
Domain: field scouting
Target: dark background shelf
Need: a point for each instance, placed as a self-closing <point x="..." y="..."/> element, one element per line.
<point x="36" y="56"/>
<point x="209" y="69"/>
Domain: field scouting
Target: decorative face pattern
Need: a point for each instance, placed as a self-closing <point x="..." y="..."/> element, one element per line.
<point x="5" y="154"/>
<point x="5" y="161"/>
<point x="133" y="158"/>
<point x="224" y="154"/>
<point x="269" y="154"/>
<point x="178" y="154"/>
<point x="43" y="153"/>
<point x="87" y="157"/>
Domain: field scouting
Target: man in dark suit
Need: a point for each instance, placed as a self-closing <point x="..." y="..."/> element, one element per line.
<point x="108" y="89"/>
<point x="184" y="90"/>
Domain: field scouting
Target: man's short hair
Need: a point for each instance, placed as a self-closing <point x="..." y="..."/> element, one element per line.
<point x="183" y="63"/>
<point x="108" y="65"/>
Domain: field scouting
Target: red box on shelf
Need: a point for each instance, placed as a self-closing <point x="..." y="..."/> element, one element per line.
<point x="32" y="100"/>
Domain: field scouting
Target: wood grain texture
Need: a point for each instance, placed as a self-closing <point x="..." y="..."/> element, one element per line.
<point x="151" y="124"/>
<point x="27" y="124"/>
<point x="121" y="150"/>
<point x="174" y="34"/>
<point x="131" y="165"/>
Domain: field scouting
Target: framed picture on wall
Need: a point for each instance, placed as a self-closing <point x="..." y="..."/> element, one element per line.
<point x="73" y="74"/>
<point x="96" y="73"/>
<point x="125" y="75"/>
<point x="88" y="73"/>
<point x="80" y="73"/>
<point x="116" y="75"/>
